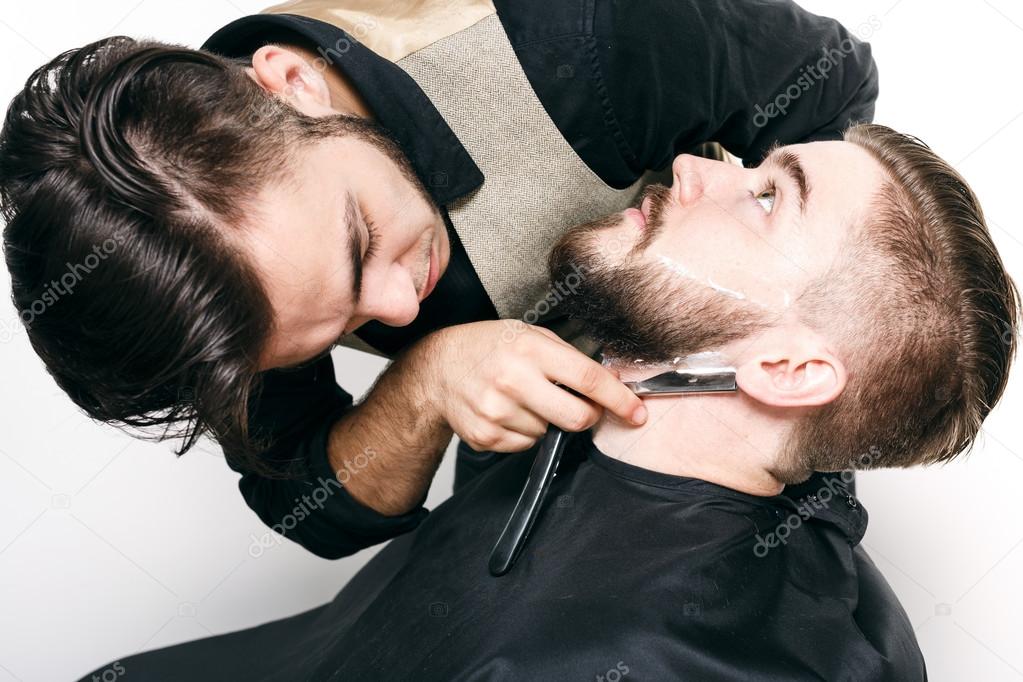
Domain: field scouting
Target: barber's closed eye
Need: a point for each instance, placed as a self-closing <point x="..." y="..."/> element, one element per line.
<point x="374" y="239"/>
<point x="766" y="199"/>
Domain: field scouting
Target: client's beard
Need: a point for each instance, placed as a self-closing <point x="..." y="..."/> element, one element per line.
<point x="640" y="310"/>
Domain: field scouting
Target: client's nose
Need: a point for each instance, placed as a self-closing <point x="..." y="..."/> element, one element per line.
<point x="688" y="187"/>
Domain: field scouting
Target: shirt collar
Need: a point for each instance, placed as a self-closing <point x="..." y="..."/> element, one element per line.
<point x="397" y="101"/>
<point x="824" y="497"/>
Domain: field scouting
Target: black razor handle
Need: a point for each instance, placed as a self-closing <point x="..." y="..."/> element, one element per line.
<point x="527" y="509"/>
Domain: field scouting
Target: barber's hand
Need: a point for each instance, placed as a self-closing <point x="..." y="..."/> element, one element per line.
<point x="494" y="384"/>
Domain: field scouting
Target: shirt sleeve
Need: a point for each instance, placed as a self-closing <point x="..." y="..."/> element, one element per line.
<point x="744" y="73"/>
<point x="296" y="410"/>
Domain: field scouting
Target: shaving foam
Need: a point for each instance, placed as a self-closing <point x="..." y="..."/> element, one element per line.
<point x="709" y="282"/>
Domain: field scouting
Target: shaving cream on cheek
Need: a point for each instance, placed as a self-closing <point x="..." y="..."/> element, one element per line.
<point x="679" y="269"/>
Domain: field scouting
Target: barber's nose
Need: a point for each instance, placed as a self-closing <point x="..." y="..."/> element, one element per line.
<point x="393" y="301"/>
<point x="688" y="178"/>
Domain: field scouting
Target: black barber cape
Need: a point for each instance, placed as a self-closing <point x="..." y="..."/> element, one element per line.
<point x="628" y="575"/>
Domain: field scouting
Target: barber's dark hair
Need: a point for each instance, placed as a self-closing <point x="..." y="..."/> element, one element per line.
<point x="124" y="167"/>
<point x="923" y="313"/>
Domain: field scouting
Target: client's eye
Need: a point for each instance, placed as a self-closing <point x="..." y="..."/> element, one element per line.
<point x="766" y="199"/>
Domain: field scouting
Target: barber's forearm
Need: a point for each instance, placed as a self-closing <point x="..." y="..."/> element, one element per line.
<point x="386" y="450"/>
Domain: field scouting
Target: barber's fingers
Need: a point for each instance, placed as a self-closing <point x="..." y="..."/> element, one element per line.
<point x="496" y="439"/>
<point x="522" y="420"/>
<point x="565" y="344"/>
<point x="514" y="442"/>
<point x="551" y="335"/>
<point x="563" y="409"/>
<point x="596" y="382"/>
<point x="502" y="423"/>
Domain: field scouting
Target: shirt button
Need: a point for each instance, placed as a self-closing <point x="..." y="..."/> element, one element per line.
<point x="851" y="501"/>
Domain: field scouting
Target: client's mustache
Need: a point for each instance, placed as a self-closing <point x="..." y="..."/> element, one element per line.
<point x="660" y="197"/>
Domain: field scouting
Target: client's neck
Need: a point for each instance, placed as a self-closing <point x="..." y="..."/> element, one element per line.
<point x="723" y="438"/>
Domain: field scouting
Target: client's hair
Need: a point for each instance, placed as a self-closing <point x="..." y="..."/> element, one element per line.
<point x="923" y="312"/>
<point x="124" y="167"/>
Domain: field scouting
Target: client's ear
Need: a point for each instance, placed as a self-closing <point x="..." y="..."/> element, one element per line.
<point x="286" y="73"/>
<point x="792" y="370"/>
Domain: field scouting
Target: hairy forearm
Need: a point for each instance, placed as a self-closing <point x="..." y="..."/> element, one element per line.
<point x="386" y="450"/>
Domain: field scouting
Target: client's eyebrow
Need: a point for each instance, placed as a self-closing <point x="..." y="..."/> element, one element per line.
<point x="789" y="162"/>
<point x="354" y="245"/>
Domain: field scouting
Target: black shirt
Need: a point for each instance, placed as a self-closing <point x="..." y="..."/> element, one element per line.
<point x="628" y="85"/>
<point x="649" y="575"/>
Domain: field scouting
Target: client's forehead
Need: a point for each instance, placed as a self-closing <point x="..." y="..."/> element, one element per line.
<point x="843" y="178"/>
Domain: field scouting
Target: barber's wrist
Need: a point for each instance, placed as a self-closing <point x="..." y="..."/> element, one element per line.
<point x="421" y="373"/>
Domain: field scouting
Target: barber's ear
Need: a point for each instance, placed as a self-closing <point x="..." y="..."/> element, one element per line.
<point x="285" y="73"/>
<point x="796" y="376"/>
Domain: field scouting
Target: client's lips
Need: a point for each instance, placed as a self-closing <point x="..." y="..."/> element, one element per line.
<point x="645" y="207"/>
<point x="636" y="216"/>
<point x="433" y="274"/>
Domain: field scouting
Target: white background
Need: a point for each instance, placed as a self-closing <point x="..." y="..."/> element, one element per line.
<point x="110" y="545"/>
